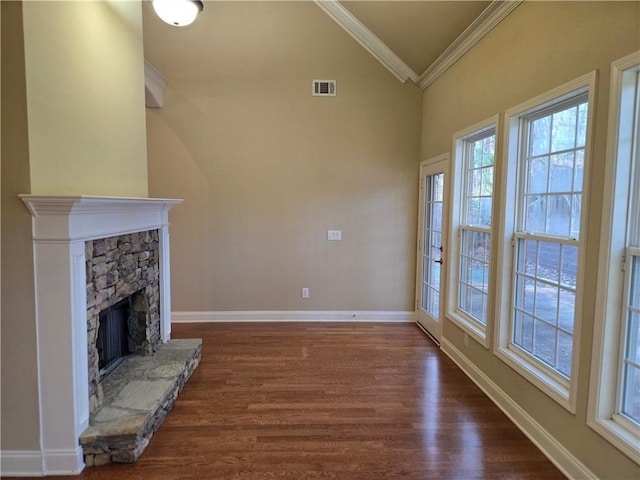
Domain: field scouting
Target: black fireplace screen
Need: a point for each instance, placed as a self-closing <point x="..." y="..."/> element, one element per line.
<point x="113" y="333"/>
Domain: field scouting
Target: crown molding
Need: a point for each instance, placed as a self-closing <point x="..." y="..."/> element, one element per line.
<point x="154" y="83"/>
<point x="486" y="21"/>
<point x="368" y="40"/>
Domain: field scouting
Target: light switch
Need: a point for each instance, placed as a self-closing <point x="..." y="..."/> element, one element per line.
<point x="334" y="234"/>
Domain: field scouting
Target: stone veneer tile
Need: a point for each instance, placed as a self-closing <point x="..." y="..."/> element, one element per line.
<point x="116" y="268"/>
<point x="142" y="395"/>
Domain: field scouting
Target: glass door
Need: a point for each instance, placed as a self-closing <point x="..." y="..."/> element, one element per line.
<point x="431" y="241"/>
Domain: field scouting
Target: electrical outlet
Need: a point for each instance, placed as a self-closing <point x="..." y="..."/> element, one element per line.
<point x="334" y="234"/>
<point x="305" y="292"/>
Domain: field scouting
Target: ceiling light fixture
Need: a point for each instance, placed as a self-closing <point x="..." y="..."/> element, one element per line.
<point x="178" y="12"/>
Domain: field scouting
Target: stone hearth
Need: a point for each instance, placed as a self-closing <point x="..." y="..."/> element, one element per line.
<point x="138" y="394"/>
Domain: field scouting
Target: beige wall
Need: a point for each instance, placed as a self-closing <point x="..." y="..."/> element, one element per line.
<point x="266" y="169"/>
<point x="538" y="47"/>
<point x="73" y="122"/>
<point x="85" y="91"/>
<point x="19" y="414"/>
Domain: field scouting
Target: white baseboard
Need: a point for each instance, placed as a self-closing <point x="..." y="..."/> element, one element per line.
<point x="566" y="462"/>
<point x="63" y="462"/>
<point x="293" y="316"/>
<point x="21" y="463"/>
<point x="34" y="463"/>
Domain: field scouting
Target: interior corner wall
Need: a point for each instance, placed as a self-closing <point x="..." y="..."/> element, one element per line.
<point x="538" y="47"/>
<point x="266" y="168"/>
<point x="19" y="387"/>
<point x="85" y="96"/>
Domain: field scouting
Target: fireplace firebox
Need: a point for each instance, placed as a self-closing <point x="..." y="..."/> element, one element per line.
<point x="113" y="336"/>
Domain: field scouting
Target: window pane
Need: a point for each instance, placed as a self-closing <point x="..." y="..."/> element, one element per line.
<point x="488" y="146"/>
<point x="567" y="310"/>
<point x="476" y="183"/>
<point x="436" y="218"/>
<point x="537" y="174"/>
<point x="569" y="270"/>
<point x="485" y="212"/>
<point x="631" y="387"/>
<point x="544" y="342"/>
<point x="546" y="302"/>
<point x="564" y="129"/>
<point x="549" y="261"/>
<point x="559" y="213"/>
<point x="576" y="209"/>
<point x="634" y="290"/>
<point x="535" y="213"/>
<point x="579" y="169"/>
<point x="563" y="354"/>
<point x="633" y="331"/>
<point x="464" y="300"/>
<point x="540" y="133"/>
<point x="631" y="397"/>
<point x="473" y="274"/>
<point x="487" y="181"/>
<point x="523" y="331"/>
<point x="530" y="257"/>
<point x="582" y="125"/>
<point x="561" y="172"/>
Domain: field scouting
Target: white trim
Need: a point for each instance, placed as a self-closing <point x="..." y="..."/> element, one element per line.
<point x="606" y="334"/>
<point x="368" y="40"/>
<point x="34" y="463"/>
<point x="293" y="316"/>
<point x="154" y="83"/>
<point x="486" y="21"/>
<point x="564" y="395"/>
<point x="566" y="462"/>
<point x="63" y="462"/>
<point x="21" y="463"/>
<point x="443" y="157"/>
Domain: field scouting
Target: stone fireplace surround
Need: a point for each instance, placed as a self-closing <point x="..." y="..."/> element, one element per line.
<point x="118" y="268"/>
<point x="61" y="226"/>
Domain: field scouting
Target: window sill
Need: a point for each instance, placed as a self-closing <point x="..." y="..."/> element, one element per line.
<point x="560" y="392"/>
<point x="474" y="329"/>
<point x="618" y="436"/>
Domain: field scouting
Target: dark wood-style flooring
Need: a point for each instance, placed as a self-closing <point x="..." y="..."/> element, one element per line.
<point x="329" y="401"/>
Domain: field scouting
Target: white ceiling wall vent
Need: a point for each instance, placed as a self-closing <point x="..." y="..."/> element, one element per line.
<point x="324" y="88"/>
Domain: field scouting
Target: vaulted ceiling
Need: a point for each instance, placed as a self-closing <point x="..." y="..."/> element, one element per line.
<point x="415" y="40"/>
<point x="417" y="31"/>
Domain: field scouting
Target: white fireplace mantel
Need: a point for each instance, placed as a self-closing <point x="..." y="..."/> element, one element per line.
<point x="61" y="226"/>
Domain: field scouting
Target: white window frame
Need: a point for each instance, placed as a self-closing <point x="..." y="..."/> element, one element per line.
<point x="610" y="320"/>
<point x="479" y="332"/>
<point x="552" y="383"/>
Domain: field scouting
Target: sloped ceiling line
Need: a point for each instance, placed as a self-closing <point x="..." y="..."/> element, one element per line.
<point x="486" y="21"/>
<point x="368" y="40"/>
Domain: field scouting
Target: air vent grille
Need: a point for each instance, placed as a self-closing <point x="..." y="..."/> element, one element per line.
<point x="324" y="88"/>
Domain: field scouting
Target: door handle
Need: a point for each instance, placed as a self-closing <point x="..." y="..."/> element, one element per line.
<point x="439" y="261"/>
